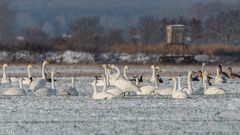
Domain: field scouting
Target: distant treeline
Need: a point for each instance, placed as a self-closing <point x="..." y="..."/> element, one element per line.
<point x="145" y="35"/>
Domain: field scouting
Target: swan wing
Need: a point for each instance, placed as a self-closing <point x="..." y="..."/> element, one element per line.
<point x="14" y="92"/>
<point x="164" y="92"/>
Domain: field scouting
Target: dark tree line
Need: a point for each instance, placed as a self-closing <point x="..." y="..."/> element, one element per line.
<point x="89" y="34"/>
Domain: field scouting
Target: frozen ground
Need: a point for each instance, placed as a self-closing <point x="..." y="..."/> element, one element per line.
<point x="131" y="115"/>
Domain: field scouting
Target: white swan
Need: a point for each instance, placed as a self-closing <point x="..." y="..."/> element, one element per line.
<point x="5" y="79"/>
<point x="15" y="91"/>
<point x="163" y="91"/>
<point x="100" y="95"/>
<point x="45" y="91"/>
<point x="39" y="82"/>
<point x="121" y="83"/>
<point x="153" y="74"/>
<point x="28" y="79"/>
<point x="212" y="90"/>
<point x="68" y="90"/>
<point x="113" y="91"/>
<point x="148" y="89"/>
<point x="176" y="93"/>
<point x="189" y="89"/>
<point x="125" y="72"/>
<point x="219" y="78"/>
<point x="100" y="82"/>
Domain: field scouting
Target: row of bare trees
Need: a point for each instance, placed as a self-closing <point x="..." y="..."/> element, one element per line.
<point x="90" y="35"/>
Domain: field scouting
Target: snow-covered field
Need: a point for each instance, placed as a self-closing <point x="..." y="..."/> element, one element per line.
<point x="148" y="115"/>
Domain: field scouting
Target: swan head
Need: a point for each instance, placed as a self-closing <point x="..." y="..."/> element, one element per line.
<point x="104" y="66"/>
<point x="5" y="65"/>
<point x="45" y="62"/>
<point x="112" y="66"/>
<point x="152" y="67"/>
<point x="158" y="68"/>
<point x="179" y="74"/>
<point x="204" y="64"/>
<point x="190" y="72"/>
<point x="174" y="79"/>
<point x="30" y="66"/>
<point x="126" y="67"/>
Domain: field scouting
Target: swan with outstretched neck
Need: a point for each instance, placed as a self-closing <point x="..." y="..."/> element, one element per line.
<point x="188" y="89"/>
<point x="15" y="91"/>
<point x="120" y="82"/>
<point x="176" y="93"/>
<point x="45" y="91"/>
<point x="148" y="89"/>
<point x="212" y="90"/>
<point x="68" y="90"/>
<point x="28" y="79"/>
<point x="39" y="82"/>
<point x="219" y="78"/>
<point x="103" y="94"/>
<point x="5" y="78"/>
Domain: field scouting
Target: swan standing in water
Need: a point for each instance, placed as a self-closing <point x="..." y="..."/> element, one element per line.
<point x="189" y="89"/>
<point x="212" y="90"/>
<point x="45" y="91"/>
<point x="121" y="83"/>
<point x="29" y="79"/>
<point x="15" y="91"/>
<point x="5" y="79"/>
<point x="231" y="74"/>
<point x="176" y="93"/>
<point x="68" y="90"/>
<point x="100" y="95"/>
<point x="39" y="82"/>
<point x="219" y="78"/>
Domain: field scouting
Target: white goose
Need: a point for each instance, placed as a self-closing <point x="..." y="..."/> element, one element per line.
<point x="212" y="90"/>
<point x="39" y="82"/>
<point x="68" y="90"/>
<point x="176" y="93"/>
<point x="28" y="79"/>
<point x="219" y="78"/>
<point x="121" y="83"/>
<point x="45" y="91"/>
<point x="189" y="89"/>
<point x="5" y="79"/>
<point x="15" y="91"/>
<point x="100" y="95"/>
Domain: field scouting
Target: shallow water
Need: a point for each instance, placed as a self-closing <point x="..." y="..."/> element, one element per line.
<point x="131" y="115"/>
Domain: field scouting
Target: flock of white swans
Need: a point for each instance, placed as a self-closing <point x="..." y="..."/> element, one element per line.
<point x="117" y="84"/>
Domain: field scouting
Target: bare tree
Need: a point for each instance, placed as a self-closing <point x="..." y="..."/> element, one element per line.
<point x="36" y="40"/>
<point x="115" y="37"/>
<point x="87" y="33"/>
